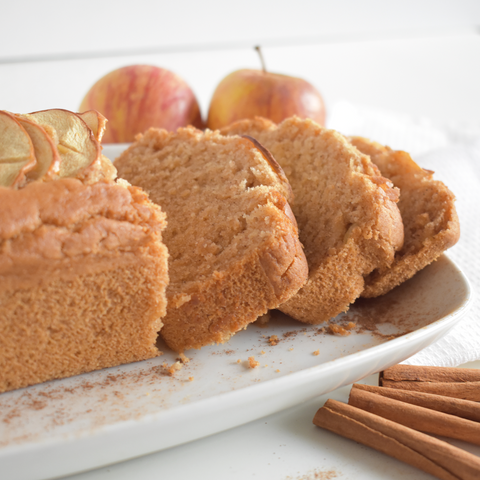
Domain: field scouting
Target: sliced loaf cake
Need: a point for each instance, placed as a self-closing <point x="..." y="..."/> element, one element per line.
<point x="231" y="235"/>
<point x="83" y="269"/>
<point x="346" y="211"/>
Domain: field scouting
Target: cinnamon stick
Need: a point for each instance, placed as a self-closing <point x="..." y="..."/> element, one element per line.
<point x="416" y="417"/>
<point x="465" y="391"/>
<point x="415" y="448"/>
<point x="451" y="382"/>
<point x="414" y="373"/>
<point x="453" y="406"/>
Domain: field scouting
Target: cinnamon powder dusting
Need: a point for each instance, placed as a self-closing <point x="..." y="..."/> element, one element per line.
<point x="316" y="475"/>
<point x="61" y="403"/>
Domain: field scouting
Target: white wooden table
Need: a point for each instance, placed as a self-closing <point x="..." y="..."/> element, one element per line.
<point x="421" y="58"/>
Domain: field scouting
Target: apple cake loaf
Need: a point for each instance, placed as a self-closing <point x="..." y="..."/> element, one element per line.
<point x="232" y="237"/>
<point x="346" y="211"/>
<point x="428" y="212"/>
<point x="83" y="271"/>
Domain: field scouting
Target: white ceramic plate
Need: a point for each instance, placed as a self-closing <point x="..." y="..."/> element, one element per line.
<point x="67" y="426"/>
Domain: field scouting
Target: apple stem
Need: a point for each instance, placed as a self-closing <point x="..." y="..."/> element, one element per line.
<point x="262" y="61"/>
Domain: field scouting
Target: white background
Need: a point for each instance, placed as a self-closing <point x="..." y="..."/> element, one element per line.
<point x="417" y="57"/>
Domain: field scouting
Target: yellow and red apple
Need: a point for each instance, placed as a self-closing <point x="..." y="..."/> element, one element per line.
<point x="258" y="93"/>
<point x="137" y="97"/>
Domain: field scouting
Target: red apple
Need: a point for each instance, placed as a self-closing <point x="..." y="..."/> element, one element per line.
<point x="250" y="93"/>
<point x="138" y="97"/>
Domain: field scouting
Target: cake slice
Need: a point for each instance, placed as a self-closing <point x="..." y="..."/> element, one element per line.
<point x="346" y="211"/>
<point x="231" y="235"/>
<point x="428" y="212"/>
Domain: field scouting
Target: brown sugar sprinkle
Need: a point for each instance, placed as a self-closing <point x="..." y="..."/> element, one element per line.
<point x="316" y="353"/>
<point x="273" y="340"/>
<point x="252" y="363"/>
<point x="335" y="329"/>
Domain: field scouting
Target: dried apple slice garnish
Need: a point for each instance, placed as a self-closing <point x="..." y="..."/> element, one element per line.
<point x="48" y="159"/>
<point x="77" y="146"/>
<point x="17" y="155"/>
<point x="95" y="121"/>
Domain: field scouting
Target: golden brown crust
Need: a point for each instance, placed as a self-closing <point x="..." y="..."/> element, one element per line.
<point x="83" y="274"/>
<point x="428" y="212"/>
<point x="68" y="202"/>
<point x="346" y="212"/>
<point x="234" y="247"/>
<point x="52" y="227"/>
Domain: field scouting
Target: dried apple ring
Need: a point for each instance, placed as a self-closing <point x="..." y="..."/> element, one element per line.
<point x="48" y="159"/>
<point x="77" y="146"/>
<point x="17" y="155"/>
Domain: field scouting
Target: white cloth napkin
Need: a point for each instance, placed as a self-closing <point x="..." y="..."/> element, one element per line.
<point x="452" y="151"/>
